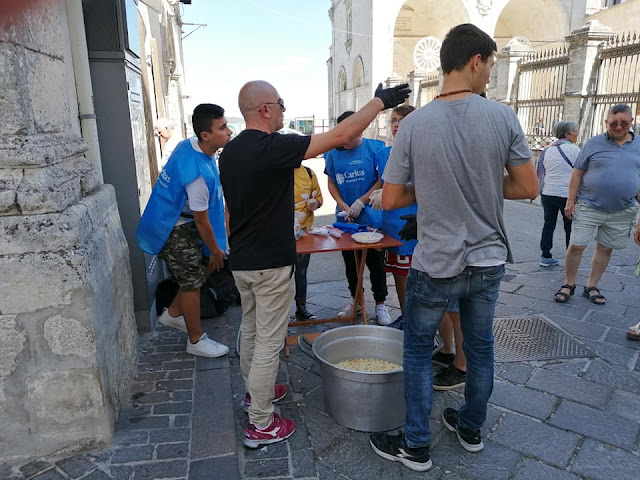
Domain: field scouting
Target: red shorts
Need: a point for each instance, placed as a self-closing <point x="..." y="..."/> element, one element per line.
<point x="397" y="264"/>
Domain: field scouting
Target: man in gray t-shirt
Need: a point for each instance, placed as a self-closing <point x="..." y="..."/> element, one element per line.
<point x="601" y="201"/>
<point x="455" y="151"/>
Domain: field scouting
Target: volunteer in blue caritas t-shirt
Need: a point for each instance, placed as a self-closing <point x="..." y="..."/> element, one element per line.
<point x="353" y="174"/>
<point x="184" y="224"/>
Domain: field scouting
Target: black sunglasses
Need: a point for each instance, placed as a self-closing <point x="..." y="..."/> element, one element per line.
<point x="279" y="102"/>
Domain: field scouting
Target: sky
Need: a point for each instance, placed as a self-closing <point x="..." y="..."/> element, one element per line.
<point x="285" y="42"/>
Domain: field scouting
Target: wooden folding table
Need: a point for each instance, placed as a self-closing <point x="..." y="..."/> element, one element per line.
<point x="322" y="244"/>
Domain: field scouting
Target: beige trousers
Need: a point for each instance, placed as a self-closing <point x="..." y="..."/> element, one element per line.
<point x="266" y="297"/>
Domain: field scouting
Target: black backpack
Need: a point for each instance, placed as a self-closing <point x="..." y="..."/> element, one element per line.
<point x="217" y="294"/>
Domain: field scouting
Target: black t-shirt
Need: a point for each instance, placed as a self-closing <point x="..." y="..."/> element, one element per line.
<point x="256" y="172"/>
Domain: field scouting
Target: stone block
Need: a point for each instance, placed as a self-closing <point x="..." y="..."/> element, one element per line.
<point x="625" y="404"/>
<point x="599" y="461"/>
<point x="532" y="470"/>
<point x="173" y="385"/>
<point x="536" y="439"/>
<point x="225" y="467"/>
<point x="203" y="363"/>
<point x="523" y="400"/>
<point x="514" y="372"/>
<point x="614" y="354"/>
<point x="170" y="435"/>
<point x="12" y="342"/>
<point x="52" y="474"/>
<point x="150" y="398"/>
<point x="494" y="463"/>
<point x="172" y="450"/>
<point x="34" y="467"/>
<point x="76" y="466"/>
<point x="278" y="467"/>
<point x="65" y="397"/>
<point x="132" y="454"/>
<point x="144" y="423"/>
<point x="155" y="470"/>
<point x="569" y="387"/>
<point x="580" y="328"/>
<point x="603" y="373"/>
<point x="212" y="387"/>
<point x="303" y="463"/>
<point x="98" y="475"/>
<point x="182" y="421"/>
<point x="172" y="408"/>
<point x="303" y="381"/>
<point x="182" y="396"/>
<point x="67" y="336"/>
<point x="596" y="424"/>
<point x="124" y="438"/>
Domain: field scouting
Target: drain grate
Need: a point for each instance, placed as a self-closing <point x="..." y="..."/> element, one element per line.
<point x="520" y="339"/>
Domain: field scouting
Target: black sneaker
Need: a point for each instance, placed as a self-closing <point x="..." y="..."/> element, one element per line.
<point x="443" y="359"/>
<point x="398" y="323"/>
<point x="449" y="378"/>
<point x="303" y="313"/>
<point x="392" y="448"/>
<point x="470" y="440"/>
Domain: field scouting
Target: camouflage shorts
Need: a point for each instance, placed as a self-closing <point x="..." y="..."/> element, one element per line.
<point x="183" y="253"/>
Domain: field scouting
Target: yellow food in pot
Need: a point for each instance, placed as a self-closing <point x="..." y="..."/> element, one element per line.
<point x="369" y="365"/>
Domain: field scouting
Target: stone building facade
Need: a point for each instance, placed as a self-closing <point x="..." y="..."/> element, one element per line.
<point x="399" y="40"/>
<point x="68" y="330"/>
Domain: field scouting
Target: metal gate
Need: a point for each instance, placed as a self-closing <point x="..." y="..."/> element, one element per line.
<point x="618" y="80"/>
<point x="539" y="102"/>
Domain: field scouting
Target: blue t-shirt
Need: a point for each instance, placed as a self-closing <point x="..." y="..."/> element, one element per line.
<point x="354" y="172"/>
<point x="612" y="173"/>
<point x="391" y="221"/>
<point x="169" y="195"/>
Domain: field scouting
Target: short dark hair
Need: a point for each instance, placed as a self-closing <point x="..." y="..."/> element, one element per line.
<point x="620" y="108"/>
<point x="403" y="110"/>
<point x="462" y="43"/>
<point x="344" y="115"/>
<point x="203" y="116"/>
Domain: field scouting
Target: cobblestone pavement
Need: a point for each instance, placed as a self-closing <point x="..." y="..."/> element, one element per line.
<point x="563" y="419"/>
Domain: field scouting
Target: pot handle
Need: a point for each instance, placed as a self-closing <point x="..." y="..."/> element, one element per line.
<point x="306" y="348"/>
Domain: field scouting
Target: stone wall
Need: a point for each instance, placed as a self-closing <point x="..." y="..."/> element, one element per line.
<point x="67" y="328"/>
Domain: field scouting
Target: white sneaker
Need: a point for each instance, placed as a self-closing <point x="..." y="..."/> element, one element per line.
<point x="382" y="315"/>
<point x="347" y="311"/>
<point x="173" y="322"/>
<point x="205" y="347"/>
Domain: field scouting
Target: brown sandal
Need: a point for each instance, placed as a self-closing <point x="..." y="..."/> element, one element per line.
<point x="587" y="292"/>
<point x="562" y="297"/>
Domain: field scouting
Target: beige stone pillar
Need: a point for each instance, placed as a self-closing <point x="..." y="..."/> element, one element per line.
<point x="502" y="86"/>
<point x="67" y="328"/>
<point x="581" y="72"/>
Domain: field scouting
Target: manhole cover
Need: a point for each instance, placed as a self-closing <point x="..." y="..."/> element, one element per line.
<point x="519" y="339"/>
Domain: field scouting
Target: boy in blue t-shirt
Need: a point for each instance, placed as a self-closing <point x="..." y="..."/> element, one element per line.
<point x="353" y="175"/>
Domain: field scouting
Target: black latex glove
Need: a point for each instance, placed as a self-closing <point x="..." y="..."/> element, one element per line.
<point x="410" y="229"/>
<point x="393" y="96"/>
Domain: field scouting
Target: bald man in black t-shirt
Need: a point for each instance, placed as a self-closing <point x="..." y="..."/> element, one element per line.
<point x="256" y="170"/>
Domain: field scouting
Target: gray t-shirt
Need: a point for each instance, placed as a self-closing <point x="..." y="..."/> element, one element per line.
<point x="611" y="180"/>
<point x="455" y="152"/>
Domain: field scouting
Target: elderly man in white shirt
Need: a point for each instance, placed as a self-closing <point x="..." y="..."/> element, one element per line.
<point x="165" y="129"/>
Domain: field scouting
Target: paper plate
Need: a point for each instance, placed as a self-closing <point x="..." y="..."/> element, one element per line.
<point x="367" y="237"/>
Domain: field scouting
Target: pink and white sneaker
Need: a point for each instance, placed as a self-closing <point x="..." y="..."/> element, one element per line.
<point x="278" y="430"/>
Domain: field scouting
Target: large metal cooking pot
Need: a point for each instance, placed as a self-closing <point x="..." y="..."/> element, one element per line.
<point x="365" y="401"/>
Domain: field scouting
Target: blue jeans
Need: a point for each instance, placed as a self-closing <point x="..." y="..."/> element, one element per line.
<point x="476" y="290"/>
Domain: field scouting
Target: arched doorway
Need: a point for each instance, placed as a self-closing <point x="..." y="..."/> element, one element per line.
<point x="423" y="24"/>
<point x="550" y="25"/>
